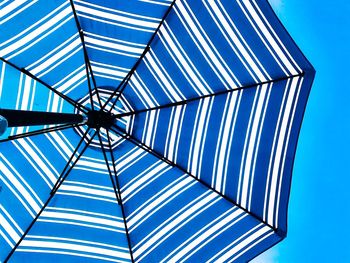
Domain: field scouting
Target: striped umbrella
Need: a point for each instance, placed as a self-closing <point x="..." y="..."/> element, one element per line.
<point x="150" y="130"/>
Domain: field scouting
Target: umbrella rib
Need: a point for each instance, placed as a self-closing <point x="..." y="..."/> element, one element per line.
<point x="86" y="58"/>
<point x="183" y="102"/>
<point x="54" y="190"/>
<point x="122" y="87"/>
<point x="118" y="192"/>
<point x="109" y="170"/>
<point x="161" y="157"/>
<point x="89" y="84"/>
<point x="50" y="197"/>
<point x="124" y="82"/>
<point x="42" y="131"/>
<point x="70" y="159"/>
<point x="28" y="229"/>
<point x="65" y="97"/>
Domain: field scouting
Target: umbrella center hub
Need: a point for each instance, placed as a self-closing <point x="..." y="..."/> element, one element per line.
<point x="107" y="119"/>
<point x="100" y="119"/>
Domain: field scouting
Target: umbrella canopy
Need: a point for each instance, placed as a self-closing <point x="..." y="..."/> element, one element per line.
<point x="190" y="115"/>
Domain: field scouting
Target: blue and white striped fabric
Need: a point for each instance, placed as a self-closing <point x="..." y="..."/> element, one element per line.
<point x="208" y="99"/>
<point x="172" y="217"/>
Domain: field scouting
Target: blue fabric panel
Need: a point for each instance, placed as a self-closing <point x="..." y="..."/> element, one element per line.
<point x="116" y="34"/>
<point x="239" y="143"/>
<point x="50" y="48"/>
<point x="208" y="47"/>
<point x="29" y="169"/>
<point x="172" y="217"/>
<point x="82" y="222"/>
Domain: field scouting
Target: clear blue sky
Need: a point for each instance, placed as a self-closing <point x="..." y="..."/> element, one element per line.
<point x="319" y="208"/>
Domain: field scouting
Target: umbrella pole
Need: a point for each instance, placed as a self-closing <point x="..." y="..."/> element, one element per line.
<point x="18" y="118"/>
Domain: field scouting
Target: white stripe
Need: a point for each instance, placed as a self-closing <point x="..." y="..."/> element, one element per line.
<point x="9" y="229"/>
<point x="2" y="77"/>
<point x="199" y="136"/>
<point x="141" y="92"/>
<point x="85" y="190"/>
<point x="148" y="130"/>
<point x="251" y="246"/>
<point x="73" y="247"/>
<point x="83" y="218"/>
<point x="26" y="92"/>
<point x="161" y="2"/>
<point x="146" y="178"/>
<point x="137" y="23"/>
<point x="249" y="145"/>
<point x="111" y="45"/>
<point x="157" y="237"/>
<point x="277" y="38"/>
<point x="63" y="147"/>
<point x="225" y="139"/>
<point x="275" y="138"/>
<point x="19" y="187"/>
<point x="158" y="203"/>
<point x="11" y="219"/>
<point x="113" y="10"/>
<point x="163" y="78"/>
<point x="10" y="7"/>
<point x="278" y="152"/>
<point x="285" y="151"/>
<point x="128" y="158"/>
<point x="174" y="133"/>
<point x="108" y="71"/>
<point x="57" y="59"/>
<point x="23" y="182"/>
<point x="227" y="24"/>
<point x="114" y="218"/>
<point x="69" y="76"/>
<point x="182" y="60"/>
<point x="258" y="142"/>
<point x="42" y="165"/>
<point x="270" y="39"/>
<point x="239" y="244"/>
<point x="73" y="81"/>
<point x="20" y="198"/>
<point x="22" y="41"/>
<point x="8" y="241"/>
<point x="55" y="238"/>
<point x="68" y="222"/>
<point x="210" y="233"/>
<point x="208" y="49"/>
<point x="35" y="25"/>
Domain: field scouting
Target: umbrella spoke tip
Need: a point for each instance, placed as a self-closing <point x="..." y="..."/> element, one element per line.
<point x="103" y="118"/>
